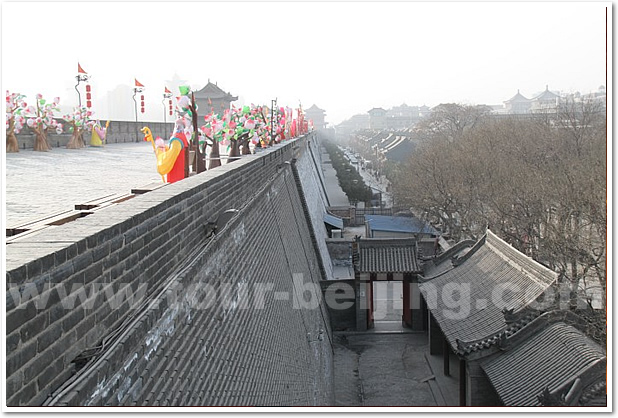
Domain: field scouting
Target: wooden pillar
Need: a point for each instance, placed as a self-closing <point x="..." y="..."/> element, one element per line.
<point x="371" y="307"/>
<point x="435" y="336"/>
<point x="462" y="382"/>
<point x="419" y="321"/>
<point x="407" y="301"/>
<point x="446" y="350"/>
<point x="424" y="314"/>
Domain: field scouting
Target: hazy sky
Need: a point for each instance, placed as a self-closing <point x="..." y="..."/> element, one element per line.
<point x="345" y="57"/>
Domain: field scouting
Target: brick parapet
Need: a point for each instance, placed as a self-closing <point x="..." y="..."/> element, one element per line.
<point x="138" y="243"/>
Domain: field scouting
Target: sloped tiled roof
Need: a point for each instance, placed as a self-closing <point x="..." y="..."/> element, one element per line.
<point x="314" y="108"/>
<point x="444" y="262"/>
<point x="387" y="256"/>
<point x="517" y="98"/>
<point x="548" y="359"/>
<point x="212" y="91"/>
<point x="490" y="277"/>
<point x="546" y="95"/>
<point x="400" y="151"/>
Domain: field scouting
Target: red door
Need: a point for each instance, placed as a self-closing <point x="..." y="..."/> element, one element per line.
<point x="369" y="286"/>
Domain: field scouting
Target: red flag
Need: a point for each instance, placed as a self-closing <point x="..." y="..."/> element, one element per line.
<point x="80" y="69"/>
<point x="167" y="90"/>
<point x="138" y="84"/>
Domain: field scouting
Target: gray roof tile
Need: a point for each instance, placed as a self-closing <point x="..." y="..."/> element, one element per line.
<point x="388" y="256"/>
<point x="492" y="276"/>
<point x="548" y="359"/>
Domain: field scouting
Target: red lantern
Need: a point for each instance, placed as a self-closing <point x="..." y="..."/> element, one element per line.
<point x="88" y="87"/>
<point x="89" y="104"/>
<point x="142" y="97"/>
<point x="142" y="110"/>
<point x="88" y="96"/>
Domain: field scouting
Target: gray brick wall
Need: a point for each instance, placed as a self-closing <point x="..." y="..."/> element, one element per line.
<point x="171" y="353"/>
<point x="118" y="131"/>
<point x="479" y="390"/>
<point x="341" y="303"/>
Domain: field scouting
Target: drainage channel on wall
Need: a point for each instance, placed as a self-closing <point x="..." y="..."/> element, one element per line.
<point x="18" y="231"/>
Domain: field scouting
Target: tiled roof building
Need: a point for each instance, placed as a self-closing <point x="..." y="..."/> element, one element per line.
<point x="547" y="101"/>
<point x="377" y="118"/>
<point x="386" y="259"/>
<point x="487" y="321"/>
<point x="490" y="266"/>
<point x="212" y="98"/>
<point x="388" y="256"/>
<point x="317" y="115"/>
<point x="552" y="360"/>
<point x="517" y="104"/>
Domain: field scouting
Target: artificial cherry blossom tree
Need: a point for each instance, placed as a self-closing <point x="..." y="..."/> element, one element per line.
<point x="15" y="105"/>
<point x="78" y="121"/>
<point x="40" y="119"/>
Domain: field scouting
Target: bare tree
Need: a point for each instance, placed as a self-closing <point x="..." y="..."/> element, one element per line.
<point x="539" y="182"/>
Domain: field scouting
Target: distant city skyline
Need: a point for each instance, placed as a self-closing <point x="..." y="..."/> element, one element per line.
<point x="390" y="53"/>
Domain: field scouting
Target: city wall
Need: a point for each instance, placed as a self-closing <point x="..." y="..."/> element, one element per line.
<point x="167" y="312"/>
<point x="118" y="131"/>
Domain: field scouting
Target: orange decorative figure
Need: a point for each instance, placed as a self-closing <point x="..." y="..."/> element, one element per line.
<point x="170" y="158"/>
<point x="176" y="146"/>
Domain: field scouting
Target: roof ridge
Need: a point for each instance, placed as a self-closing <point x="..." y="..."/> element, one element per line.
<point x="460" y="260"/>
<point x="514" y="258"/>
<point x="529" y="325"/>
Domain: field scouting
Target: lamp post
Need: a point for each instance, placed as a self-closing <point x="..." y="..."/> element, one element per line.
<point x="166" y="95"/>
<point x="81" y="76"/>
<point x="273" y="122"/>
<point x="139" y="88"/>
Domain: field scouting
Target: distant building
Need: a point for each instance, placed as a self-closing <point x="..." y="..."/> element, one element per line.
<point x="317" y="116"/>
<point x="377" y="117"/>
<point x="120" y="105"/>
<point x="517" y="104"/>
<point x="424" y="111"/>
<point x="355" y="123"/>
<point x="174" y="84"/>
<point x="402" y="117"/>
<point x="547" y="101"/>
<point x="213" y="98"/>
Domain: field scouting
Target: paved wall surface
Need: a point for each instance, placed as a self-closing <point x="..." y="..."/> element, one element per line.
<point x="136" y="332"/>
<point x="42" y="183"/>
